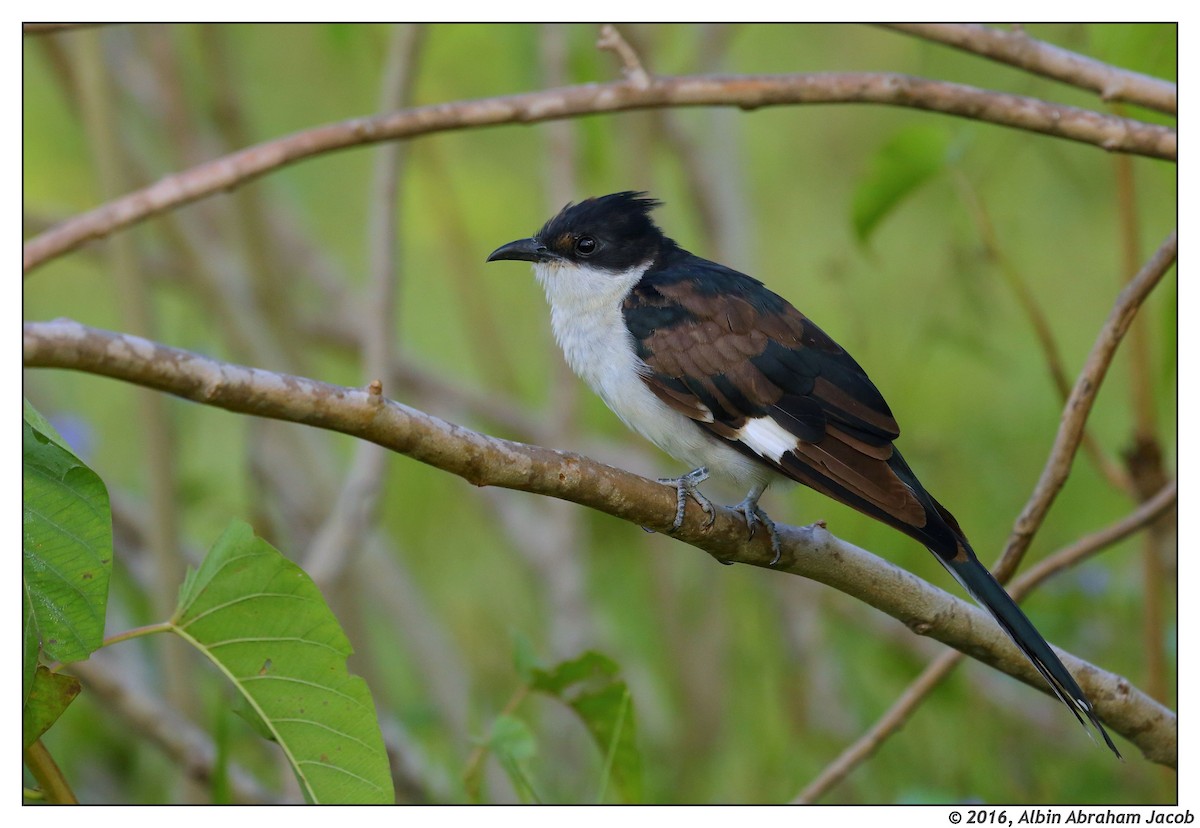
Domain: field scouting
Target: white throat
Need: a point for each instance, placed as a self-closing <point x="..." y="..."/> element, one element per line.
<point x="589" y="324"/>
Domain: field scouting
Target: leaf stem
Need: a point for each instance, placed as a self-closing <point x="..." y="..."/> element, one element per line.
<point x="138" y="632"/>
<point x="54" y="786"/>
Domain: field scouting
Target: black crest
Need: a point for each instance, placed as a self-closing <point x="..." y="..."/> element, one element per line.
<point x="619" y="226"/>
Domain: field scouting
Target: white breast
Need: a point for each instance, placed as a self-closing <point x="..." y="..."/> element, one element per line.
<point x="585" y="314"/>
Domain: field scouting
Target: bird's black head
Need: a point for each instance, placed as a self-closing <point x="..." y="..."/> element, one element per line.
<point x="612" y="232"/>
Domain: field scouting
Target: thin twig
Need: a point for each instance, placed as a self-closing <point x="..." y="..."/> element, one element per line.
<point x="919" y="689"/>
<point x="1017" y="48"/>
<point x="483" y="323"/>
<point x="489" y="461"/>
<point x="1144" y="457"/>
<point x="1129" y="246"/>
<point x="470" y="775"/>
<point x="98" y="102"/>
<point x="1079" y="405"/>
<point x="271" y="285"/>
<point x="154" y="79"/>
<point x="561" y="169"/>
<point x="745" y="91"/>
<point x="353" y="512"/>
<point x="1111" y="470"/>
<point x="552" y="551"/>
<point x="865" y="746"/>
<point x="1148" y="512"/>
<point x="720" y="184"/>
<point x="611" y="40"/>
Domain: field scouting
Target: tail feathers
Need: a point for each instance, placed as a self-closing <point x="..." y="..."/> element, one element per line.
<point x="985" y="589"/>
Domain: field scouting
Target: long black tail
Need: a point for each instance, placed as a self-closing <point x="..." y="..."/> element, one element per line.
<point x="985" y="589"/>
<point x="941" y="534"/>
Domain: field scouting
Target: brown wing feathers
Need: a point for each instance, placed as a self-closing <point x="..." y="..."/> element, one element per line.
<point x="725" y="356"/>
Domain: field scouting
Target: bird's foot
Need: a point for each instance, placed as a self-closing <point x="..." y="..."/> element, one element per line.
<point x="754" y="515"/>
<point x="685" y="487"/>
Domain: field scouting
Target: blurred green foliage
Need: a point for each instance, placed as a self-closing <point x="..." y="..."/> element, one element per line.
<point x="745" y="683"/>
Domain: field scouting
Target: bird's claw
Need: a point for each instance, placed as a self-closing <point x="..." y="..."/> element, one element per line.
<point x="754" y="515"/>
<point x="685" y="487"/>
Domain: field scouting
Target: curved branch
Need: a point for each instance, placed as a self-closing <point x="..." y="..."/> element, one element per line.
<point x="1147" y="512"/>
<point x="1079" y="404"/>
<point x="746" y="91"/>
<point x="488" y="461"/>
<point x="1016" y="48"/>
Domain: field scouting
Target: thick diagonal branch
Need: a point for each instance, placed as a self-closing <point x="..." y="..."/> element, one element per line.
<point x="489" y="461"/>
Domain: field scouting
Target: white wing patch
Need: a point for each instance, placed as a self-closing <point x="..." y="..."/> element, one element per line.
<point x="768" y="438"/>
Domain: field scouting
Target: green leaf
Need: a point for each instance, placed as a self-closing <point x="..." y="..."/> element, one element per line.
<point x="40" y="423"/>
<point x="244" y="710"/>
<point x="29" y="645"/>
<point x="513" y="744"/>
<point x="512" y="736"/>
<point x="66" y="544"/>
<point x="609" y="710"/>
<point x="524" y="657"/>
<point x="608" y="715"/>
<point x="262" y="621"/>
<point x="589" y="666"/>
<point x="49" y="697"/>
<point x="589" y="686"/>
<point x="913" y="156"/>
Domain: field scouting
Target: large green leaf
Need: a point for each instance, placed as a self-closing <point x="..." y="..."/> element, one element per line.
<point x="261" y="620"/>
<point x="66" y="544"/>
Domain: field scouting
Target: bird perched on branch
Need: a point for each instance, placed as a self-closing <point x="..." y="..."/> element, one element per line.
<point x="726" y="376"/>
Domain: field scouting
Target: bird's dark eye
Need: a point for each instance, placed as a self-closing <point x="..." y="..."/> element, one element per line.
<point x="585" y="245"/>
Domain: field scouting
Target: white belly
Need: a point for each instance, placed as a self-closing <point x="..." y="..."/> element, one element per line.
<point x="585" y="314"/>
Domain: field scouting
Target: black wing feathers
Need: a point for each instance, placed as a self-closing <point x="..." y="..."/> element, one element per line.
<point x="845" y="394"/>
<point x="723" y="349"/>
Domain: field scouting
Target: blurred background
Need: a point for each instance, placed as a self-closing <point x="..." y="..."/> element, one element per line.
<point x="919" y="241"/>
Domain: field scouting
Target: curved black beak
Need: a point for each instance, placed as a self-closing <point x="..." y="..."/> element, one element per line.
<point x="521" y="250"/>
